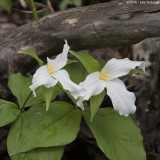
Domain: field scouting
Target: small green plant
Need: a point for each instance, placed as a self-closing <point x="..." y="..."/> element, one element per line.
<point x="42" y="127"/>
<point x="64" y="4"/>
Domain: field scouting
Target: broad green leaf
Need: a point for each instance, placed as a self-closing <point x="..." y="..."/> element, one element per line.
<point x="71" y="61"/>
<point x="32" y="100"/>
<point x="50" y="94"/>
<point x="32" y="54"/>
<point x="84" y="51"/>
<point x="15" y="133"/>
<point x="19" y="85"/>
<point x="8" y="112"/>
<point x="57" y="127"/>
<point x="77" y="72"/>
<point x="135" y="71"/>
<point x="117" y="136"/>
<point x="48" y="153"/>
<point x="89" y="62"/>
<point x="95" y="103"/>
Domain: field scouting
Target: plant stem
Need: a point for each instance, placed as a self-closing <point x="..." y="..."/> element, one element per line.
<point x="26" y="100"/>
<point x="34" y="10"/>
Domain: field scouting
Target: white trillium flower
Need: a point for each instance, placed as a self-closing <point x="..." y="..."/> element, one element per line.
<point x="123" y="100"/>
<point x="50" y="74"/>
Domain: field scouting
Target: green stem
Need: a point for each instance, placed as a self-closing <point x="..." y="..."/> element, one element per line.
<point x="34" y="10"/>
<point x="26" y="100"/>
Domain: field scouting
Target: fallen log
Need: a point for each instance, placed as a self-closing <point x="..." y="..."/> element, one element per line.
<point x="106" y="24"/>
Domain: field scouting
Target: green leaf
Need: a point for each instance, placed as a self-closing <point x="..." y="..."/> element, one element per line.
<point x="84" y="51"/>
<point x="5" y="3"/>
<point x="95" y="103"/>
<point x="71" y="61"/>
<point x="32" y="100"/>
<point x="32" y="54"/>
<point x="50" y="94"/>
<point x="8" y="112"/>
<point x="117" y="136"/>
<point x="40" y="98"/>
<point x="64" y="3"/>
<point x="76" y="71"/>
<point x="19" y="85"/>
<point x="89" y="62"/>
<point x="38" y="128"/>
<point x="15" y="133"/>
<point x="77" y="3"/>
<point x="49" y="153"/>
<point x="135" y="71"/>
<point x="102" y="63"/>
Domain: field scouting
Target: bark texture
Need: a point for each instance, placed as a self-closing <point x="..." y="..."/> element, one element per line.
<point x="107" y="24"/>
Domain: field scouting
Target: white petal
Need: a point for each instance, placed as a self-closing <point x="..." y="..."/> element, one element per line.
<point x="61" y="60"/>
<point x="116" y="68"/>
<point x="123" y="100"/>
<point x="93" y="86"/>
<point x="23" y="3"/>
<point x="63" y="77"/>
<point x="41" y="77"/>
<point x="80" y="103"/>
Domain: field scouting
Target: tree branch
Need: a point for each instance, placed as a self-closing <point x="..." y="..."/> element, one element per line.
<point x="106" y="24"/>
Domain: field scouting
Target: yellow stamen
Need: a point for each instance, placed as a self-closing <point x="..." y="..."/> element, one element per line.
<point x="103" y="76"/>
<point x="50" y="68"/>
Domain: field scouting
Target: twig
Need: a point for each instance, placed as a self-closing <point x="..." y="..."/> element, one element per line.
<point x="41" y="5"/>
<point x="29" y="12"/>
<point x="50" y="6"/>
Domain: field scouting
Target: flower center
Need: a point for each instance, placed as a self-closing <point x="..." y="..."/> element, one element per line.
<point x="103" y="76"/>
<point x="50" y="68"/>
